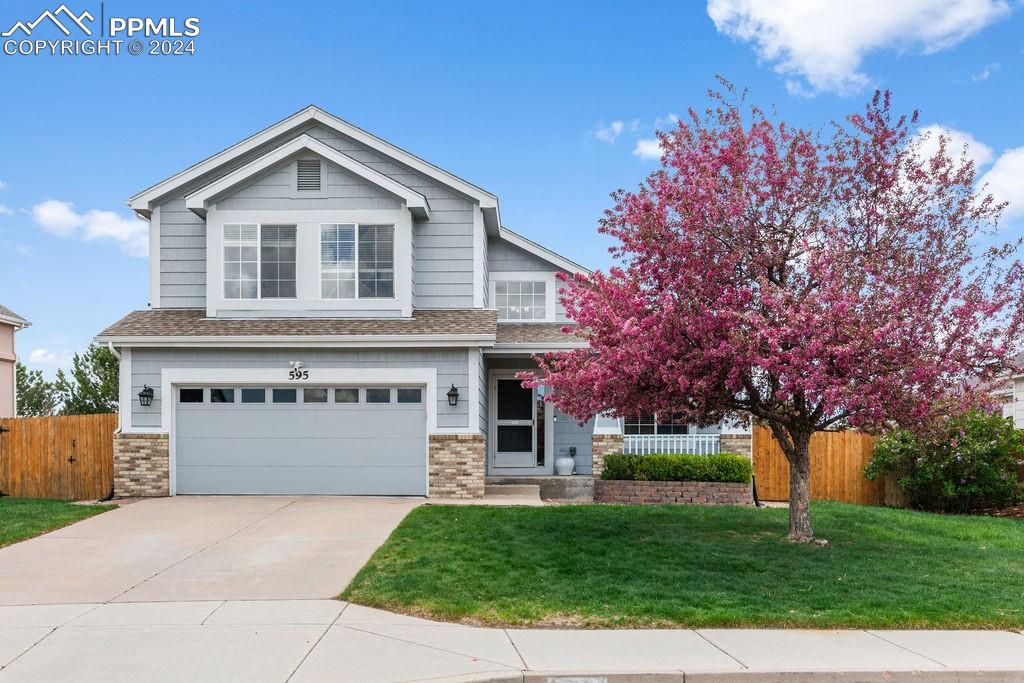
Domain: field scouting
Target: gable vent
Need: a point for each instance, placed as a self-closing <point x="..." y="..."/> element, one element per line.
<point x="308" y="174"/>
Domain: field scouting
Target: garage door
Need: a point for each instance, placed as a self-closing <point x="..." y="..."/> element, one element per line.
<point x="310" y="440"/>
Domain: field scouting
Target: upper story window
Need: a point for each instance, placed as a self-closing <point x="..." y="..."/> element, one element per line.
<point x="521" y="300"/>
<point x="650" y="423"/>
<point x="259" y="261"/>
<point x="357" y="261"/>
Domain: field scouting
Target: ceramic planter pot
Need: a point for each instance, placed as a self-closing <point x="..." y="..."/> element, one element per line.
<point x="564" y="465"/>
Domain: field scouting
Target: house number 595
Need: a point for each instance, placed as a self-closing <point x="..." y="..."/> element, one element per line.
<point x="298" y="374"/>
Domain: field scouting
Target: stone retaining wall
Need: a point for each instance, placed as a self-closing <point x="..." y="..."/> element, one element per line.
<point x="678" y="492"/>
<point x="457" y="465"/>
<point x="141" y="465"/>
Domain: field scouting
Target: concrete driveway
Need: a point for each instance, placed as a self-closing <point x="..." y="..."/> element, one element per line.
<point x="203" y="548"/>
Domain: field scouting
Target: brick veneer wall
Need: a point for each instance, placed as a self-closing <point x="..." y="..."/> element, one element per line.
<point x="457" y="465"/>
<point x="600" y="446"/>
<point x="679" y="492"/>
<point x="141" y="465"/>
<point x="743" y="444"/>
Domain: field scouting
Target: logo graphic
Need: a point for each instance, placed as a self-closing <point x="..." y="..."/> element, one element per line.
<point x="52" y="16"/>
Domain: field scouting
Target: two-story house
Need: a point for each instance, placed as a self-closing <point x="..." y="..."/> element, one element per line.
<point x="332" y="314"/>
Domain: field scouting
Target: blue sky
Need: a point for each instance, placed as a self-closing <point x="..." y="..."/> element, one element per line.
<point x="545" y="104"/>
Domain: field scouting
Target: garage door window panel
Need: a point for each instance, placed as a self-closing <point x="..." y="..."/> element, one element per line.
<point x="222" y="395"/>
<point x="285" y="395"/>
<point x="314" y="395"/>
<point x="408" y="395"/>
<point x="190" y="395"/>
<point x="254" y="395"/>
<point x="378" y="395"/>
<point x="346" y="395"/>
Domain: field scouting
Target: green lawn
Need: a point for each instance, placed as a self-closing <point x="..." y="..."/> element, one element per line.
<point x="22" y="518"/>
<point x="620" y="566"/>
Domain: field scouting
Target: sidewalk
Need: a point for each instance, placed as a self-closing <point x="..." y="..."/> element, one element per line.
<point x="317" y="640"/>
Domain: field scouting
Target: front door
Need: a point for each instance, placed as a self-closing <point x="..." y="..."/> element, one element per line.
<point x="517" y="433"/>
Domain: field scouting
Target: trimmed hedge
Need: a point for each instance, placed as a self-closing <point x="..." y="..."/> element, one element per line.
<point x="678" y="467"/>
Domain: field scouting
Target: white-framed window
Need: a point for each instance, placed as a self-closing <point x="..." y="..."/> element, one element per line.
<point x="521" y="299"/>
<point x="357" y="261"/>
<point x="650" y="423"/>
<point x="259" y="261"/>
<point x="241" y="261"/>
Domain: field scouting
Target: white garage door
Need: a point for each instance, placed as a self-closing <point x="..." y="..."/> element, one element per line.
<point x="309" y="440"/>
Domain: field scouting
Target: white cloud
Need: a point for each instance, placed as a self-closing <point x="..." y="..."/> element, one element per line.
<point x="1005" y="180"/>
<point x="648" y="148"/>
<point x="3" y="185"/>
<point x="824" y="42"/>
<point x="609" y="133"/>
<point x="986" y="72"/>
<point x="50" y="358"/>
<point x="23" y="249"/>
<point x="60" y="218"/>
<point x="957" y="142"/>
<point x="6" y="210"/>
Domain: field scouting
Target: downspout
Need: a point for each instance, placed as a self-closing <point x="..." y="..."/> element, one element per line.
<point x="115" y="352"/>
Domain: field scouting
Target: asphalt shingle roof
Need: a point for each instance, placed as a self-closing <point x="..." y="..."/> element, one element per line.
<point x="167" y="322"/>
<point x="534" y="333"/>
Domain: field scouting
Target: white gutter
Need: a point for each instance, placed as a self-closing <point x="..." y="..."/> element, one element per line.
<point x="113" y="351"/>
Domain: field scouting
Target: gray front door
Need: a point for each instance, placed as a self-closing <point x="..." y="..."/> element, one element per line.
<point x="515" y="424"/>
<point x="310" y="440"/>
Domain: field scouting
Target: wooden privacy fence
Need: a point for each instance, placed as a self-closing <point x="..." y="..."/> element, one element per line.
<point x="69" y="456"/>
<point x="837" y="468"/>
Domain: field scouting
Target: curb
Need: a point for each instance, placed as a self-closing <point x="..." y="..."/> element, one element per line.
<point x="939" y="676"/>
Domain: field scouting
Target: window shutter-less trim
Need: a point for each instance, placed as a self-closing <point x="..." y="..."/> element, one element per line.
<point x="308" y="175"/>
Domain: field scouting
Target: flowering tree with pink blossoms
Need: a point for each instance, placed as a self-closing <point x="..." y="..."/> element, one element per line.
<point x="801" y="280"/>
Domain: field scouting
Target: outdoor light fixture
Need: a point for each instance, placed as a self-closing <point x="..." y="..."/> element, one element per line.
<point x="146" y="396"/>
<point x="453" y="396"/>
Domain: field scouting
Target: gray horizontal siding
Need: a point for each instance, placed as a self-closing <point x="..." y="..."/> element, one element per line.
<point x="569" y="433"/>
<point x="444" y="244"/>
<point x="182" y="256"/>
<point x="451" y="364"/>
<point x="343" y="191"/>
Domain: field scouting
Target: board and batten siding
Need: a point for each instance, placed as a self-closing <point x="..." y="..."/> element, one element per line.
<point x="442" y="249"/>
<point x="452" y="368"/>
<point x="505" y="257"/>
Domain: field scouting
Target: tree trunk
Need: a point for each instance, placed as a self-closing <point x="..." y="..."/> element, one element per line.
<point x="800" y="529"/>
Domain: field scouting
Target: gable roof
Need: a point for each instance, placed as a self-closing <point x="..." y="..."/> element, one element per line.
<point x="10" y="317"/>
<point x="144" y="201"/>
<point x="198" y="200"/>
<point x="544" y="253"/>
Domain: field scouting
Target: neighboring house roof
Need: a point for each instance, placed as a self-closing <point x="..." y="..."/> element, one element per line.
<point x="144" y="201"/>
<point x="10" y="317"/>
<point x="535" y="336"/>
<point x="198" y="200"/>
<point x="192" y="326"/>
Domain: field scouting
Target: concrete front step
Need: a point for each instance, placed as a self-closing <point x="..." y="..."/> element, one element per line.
<point x="512" y="491"/>
<point x="576" y="488"/>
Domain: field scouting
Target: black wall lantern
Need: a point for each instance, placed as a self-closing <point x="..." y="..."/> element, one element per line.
<point x="146" y="396"/>
<point x="453" y="396"/>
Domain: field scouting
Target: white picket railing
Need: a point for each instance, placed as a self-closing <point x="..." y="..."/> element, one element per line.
<point x="645" y="444"/>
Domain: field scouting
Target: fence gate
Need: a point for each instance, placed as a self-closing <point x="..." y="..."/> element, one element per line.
<point x="68" y="456"/>
<point x="837" y="468"/>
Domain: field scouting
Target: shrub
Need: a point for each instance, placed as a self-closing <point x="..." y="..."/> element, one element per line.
<point x="678" y="467"/>
<point x="968" y="463"/>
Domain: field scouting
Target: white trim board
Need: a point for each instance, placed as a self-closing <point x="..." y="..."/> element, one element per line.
<point x="200" y="200"/>
<point x="369" y="341"/>
<point x="171" y="377"/>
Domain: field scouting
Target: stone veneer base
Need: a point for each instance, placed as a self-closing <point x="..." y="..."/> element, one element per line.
<point x="673" y="492"/>
<point x="457" y="464"/>
<point x="141" y="465"/>
<point x="602" y="445"/>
